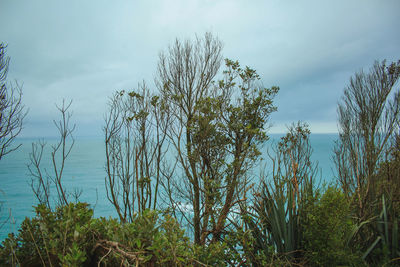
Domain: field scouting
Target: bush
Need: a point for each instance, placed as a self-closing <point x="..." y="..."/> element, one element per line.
<point x="327" y="227"/>
<point x="147" y="241"/>
<point x="59" y="238"/>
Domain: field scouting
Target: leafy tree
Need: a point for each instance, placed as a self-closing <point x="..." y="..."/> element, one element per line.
<point x="12" y="111"/>
<point x="215" y="128"/>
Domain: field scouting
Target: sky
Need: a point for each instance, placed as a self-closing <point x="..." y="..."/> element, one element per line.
<point x="84" y="51"/>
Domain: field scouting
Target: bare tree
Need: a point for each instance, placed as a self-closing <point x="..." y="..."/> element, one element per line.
<point x="134" y="142"/>
<point x="12" y="111"/>
<point x="42" y="179"/>
<point x="369" y="113"/>
<point x="215" y="130"/>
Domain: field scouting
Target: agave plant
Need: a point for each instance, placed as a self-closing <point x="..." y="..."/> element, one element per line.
<point x="277" y="219"/>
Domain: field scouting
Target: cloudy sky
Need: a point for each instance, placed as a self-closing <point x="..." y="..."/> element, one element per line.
<point x="85" y="50"/>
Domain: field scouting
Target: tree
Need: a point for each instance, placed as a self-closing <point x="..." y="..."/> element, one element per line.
<point x="12" y="111"/>
<point x="215" y="129"/>
<point x="134" y="140"/>
<point x="369" y="113"/>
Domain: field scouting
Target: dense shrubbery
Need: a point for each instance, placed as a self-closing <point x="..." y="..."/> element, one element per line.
<point x="70" y="236"/>
<point x="322" y="232"/>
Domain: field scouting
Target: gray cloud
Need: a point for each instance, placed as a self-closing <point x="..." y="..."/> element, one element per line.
<point x="85" y="50"/>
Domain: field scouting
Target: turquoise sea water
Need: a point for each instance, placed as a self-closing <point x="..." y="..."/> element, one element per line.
<point x="85" y="170"/>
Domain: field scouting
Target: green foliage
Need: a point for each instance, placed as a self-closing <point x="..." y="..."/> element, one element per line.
<point x="151" y="240"/>
<point x="53" y="238"/>
<point x="227" y="130"/>
<point x="251" y="247"/>
<point x="75" y="257"/>
<point x="326" y="228"/>
<point x="278" y="218"/>
<point x="8" y="255"/>
<point x="70" y="236"/>
<point x="213" y="254"/>
<point x="171" y="246"/>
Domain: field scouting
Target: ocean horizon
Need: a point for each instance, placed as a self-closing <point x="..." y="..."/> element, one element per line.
<point x="84" y="169"/>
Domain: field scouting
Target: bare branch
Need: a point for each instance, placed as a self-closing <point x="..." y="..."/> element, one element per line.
<point x="12" y="111"/>
<point x="41" y="178"/>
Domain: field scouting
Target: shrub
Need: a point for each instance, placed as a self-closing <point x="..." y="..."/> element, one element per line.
<point x="59" y="238"/>
<point x="327" y="227"/>
<point x="147" y="241"/>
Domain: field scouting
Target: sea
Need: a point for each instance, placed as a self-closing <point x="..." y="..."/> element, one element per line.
<point x="84" y="170"/>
